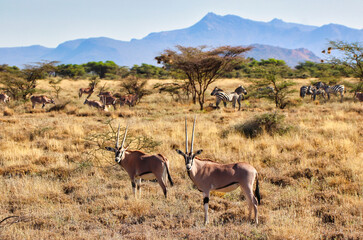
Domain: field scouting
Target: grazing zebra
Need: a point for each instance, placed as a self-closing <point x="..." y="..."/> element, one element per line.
<point x="335" y="90"/>
<point x="227" y="97"/>
<point x="319" y="85"/>
<point x="317" y="91"/>
<point x="306" y="90"/>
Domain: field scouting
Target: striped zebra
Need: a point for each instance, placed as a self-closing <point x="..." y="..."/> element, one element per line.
<point x="319" y="85"/>
<point x="317" y="91"/>
<point x="228" y="97"/>
<point x="335" y="90"/>
<point x="306" y="90"/>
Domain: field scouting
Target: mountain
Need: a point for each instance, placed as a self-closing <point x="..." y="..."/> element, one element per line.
<point x="291" y="42"/>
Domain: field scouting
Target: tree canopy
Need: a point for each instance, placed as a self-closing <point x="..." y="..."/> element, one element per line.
<point x="202" y="66"/>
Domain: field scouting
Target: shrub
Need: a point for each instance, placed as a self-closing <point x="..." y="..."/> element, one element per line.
<point x="271" y="123"/>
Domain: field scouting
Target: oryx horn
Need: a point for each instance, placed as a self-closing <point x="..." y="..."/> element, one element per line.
<point x="123" y="141"/>
<point x="186" y="137"/>
<point x="191" y="147"/>
<point x="118" y="136"/>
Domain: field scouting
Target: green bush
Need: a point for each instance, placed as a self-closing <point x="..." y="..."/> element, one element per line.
<point x="271" y="123"/>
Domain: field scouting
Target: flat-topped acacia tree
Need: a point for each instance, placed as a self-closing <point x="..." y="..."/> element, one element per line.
<point x="202" y="66"/>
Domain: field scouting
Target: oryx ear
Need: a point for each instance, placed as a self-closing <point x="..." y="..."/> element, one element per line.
<point x="110" y="149"/>
<point x="198" y="152"/>
<point x="180" y="152"/>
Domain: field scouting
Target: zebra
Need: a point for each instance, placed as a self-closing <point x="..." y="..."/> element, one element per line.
<point x="335" y="90"/>
<point x="241" y="90"/>
<point x="228" y="97"/>
<point x="317" y="91"/>
<point x="306" y="90"/>
<point x="319" y="85"/>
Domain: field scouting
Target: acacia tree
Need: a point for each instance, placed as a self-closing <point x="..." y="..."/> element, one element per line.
<point x="350" y="55"/>
<point x="22" y="83"/>
<point x="273" y="86"/>
<point x="202" y="66"/>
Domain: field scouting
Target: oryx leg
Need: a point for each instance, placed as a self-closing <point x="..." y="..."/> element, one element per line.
<point x="162" y="184"/>
<point x="133" y="184"/>
<point x="164" y="177"/>
<point x="251" y="200"/>
<point x="225" y="103"/>
<point x="138" y="186"/>
<point x="33" y="105"/>
<point x="206" y="205"/>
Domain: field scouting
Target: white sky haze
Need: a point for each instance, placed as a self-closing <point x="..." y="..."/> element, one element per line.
<point x="51" y="22"/>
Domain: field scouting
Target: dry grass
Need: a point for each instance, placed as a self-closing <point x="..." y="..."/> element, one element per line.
<point x="311" y="177"/>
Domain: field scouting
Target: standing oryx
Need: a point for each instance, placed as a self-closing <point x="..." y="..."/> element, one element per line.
<point x="129" y="99"/>
<point x="228" y="97"/>
<point x="4" y="98"/>
<point x="41" y="100"/>
<point x="108" y="99"/>
<point x="88" y="91"/>
<point x="140" y="165"/>
<point x="208" y="175"/>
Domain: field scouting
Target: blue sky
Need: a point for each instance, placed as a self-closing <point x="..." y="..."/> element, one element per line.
<point x="51" y="22"/>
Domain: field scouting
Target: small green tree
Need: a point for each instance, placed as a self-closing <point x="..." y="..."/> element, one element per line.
<point x="134" y="85"/>
<point x="273" y="86"/>
<point x="350" y="55"/>
<point x="101" y="68"/>
<point x="70" y="71"/>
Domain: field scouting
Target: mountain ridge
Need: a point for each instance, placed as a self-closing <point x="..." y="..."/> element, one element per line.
<point x="291" y="42"/>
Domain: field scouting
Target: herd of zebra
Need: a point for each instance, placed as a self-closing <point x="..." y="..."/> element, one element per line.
<point x="323" y="90"/>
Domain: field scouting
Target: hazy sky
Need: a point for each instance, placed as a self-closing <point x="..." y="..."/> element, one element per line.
<point x="51" y="22"/>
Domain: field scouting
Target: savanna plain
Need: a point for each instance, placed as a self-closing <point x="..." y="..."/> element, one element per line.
<point x="57" y="182"/>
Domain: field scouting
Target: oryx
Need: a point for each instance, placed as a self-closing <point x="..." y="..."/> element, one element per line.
<point x="88" y="91"/>
<point x="4" y="98"/>
<point x="41" y="100"/>
<point x="130" y="100"/>
<point x="208" y="175"/>
<point x="95" y="104"/>
<point x="140" y="165"/>
<point x="108" y="99"/>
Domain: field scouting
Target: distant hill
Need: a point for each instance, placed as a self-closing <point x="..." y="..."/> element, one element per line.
<point x="291" y="42"/>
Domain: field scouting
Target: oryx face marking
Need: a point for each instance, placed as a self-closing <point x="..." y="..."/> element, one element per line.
<point x="189" y="158"/>
<point x="119" y="153"/>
